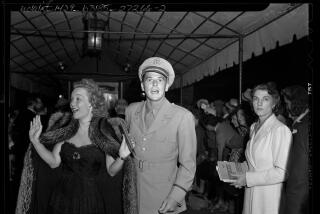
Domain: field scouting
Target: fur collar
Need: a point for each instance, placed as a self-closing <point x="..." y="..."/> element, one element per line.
<point x="102" y="134"/>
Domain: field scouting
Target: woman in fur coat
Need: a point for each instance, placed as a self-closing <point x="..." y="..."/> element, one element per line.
<point x="83" y="151"/>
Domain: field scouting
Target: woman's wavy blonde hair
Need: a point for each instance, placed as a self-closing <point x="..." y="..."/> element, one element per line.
<point x="96" y="98"/>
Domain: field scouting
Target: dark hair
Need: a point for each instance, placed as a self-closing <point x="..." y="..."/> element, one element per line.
<point x="248" y="114"/>
<point x="65" y="108"/>
<point x="298" y="97"/>
<point x="95" y="95"/>
<point x="271" y="88"/>
<point x="32" y="98"/>
<point x="212" y="120"/>
<point x="196" y="112"/>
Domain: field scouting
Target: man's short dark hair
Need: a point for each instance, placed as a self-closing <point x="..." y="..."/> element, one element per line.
<point x="298" y="96"/>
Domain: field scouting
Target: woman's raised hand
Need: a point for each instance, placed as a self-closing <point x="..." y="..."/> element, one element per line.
<point x="35" y="129"/>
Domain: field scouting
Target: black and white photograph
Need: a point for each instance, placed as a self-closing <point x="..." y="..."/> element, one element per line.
<point x="131" y="108"/>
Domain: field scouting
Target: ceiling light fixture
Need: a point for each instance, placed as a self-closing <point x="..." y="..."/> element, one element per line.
<point x="95" y="28"/>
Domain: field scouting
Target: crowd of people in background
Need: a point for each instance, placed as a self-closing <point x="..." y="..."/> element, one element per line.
<point x="269" y="130"/>
<point x="226" y="132"/>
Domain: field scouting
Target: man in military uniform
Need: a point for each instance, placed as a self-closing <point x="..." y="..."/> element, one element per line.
<point x="165" y="149"/>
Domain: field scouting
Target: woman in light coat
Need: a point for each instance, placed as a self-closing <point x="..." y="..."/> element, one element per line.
<point x="266" y="155"/>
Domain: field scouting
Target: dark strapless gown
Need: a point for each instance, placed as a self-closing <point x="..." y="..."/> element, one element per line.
<point x="82" y="187"/>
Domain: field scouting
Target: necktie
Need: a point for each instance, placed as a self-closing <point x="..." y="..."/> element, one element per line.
<point x="149" y="119"/>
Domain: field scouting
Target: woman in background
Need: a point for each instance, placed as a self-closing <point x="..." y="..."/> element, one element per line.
<point x="266" y="155"/>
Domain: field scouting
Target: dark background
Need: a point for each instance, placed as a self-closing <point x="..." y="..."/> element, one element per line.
<point x="285" y="65"/>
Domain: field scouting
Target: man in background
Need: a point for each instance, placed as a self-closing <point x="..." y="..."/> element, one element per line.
<point x="296" y="198"/>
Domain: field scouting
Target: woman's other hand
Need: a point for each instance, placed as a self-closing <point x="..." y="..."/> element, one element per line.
<point x="35" y="129"/>
<point x="124" y="151"/>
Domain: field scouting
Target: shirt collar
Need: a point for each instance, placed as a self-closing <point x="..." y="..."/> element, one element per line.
<point x="225" y="115"/>
<point x="155" y="107"/>
<point x="298" y="119"/>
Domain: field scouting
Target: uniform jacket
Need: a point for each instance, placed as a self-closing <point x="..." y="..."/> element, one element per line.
<point x="165" y="154"/>
<point x="267" y="156"/>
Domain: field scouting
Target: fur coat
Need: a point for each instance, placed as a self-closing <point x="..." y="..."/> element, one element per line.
<point x="102" y="132"/>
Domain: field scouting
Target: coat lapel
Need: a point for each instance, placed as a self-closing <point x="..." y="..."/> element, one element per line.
<point x="256" y="137"/>
<point x="249" y="154"/>
<point x="138" y="116"/>
<point x="265" y="128"/>
<point x="162" y="118"/>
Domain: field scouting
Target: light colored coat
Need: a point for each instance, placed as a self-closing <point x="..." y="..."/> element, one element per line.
<point x="267" y="155"/>
<point x="170" y="139"/>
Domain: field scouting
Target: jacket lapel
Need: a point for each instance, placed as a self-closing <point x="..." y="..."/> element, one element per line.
<point x="265" y="128"/>
<point x="138" y="116"/>
<point x="257" y="136"/>
<point x="249" y="154"/>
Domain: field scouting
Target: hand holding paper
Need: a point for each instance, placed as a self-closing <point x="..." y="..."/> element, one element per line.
<point x="240" y="180"/>
<point x="229" y="171"/>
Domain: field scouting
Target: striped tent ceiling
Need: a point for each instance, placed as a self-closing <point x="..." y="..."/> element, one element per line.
<point x="41" y="42"/>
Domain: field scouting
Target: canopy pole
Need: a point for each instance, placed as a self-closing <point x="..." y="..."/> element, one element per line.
<point x="69" y="89"/>
<point x="181" y="89"/>
<point x="121" y="90"/>
<point x="240" y="66"/>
